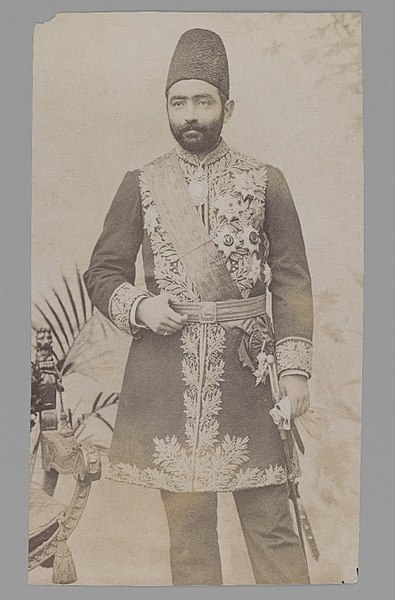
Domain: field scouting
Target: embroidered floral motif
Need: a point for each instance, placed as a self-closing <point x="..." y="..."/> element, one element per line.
<point x="294" y="353"/>
<point x="203" y="462"/>
<point x="254" y="268"/>
<point x="245" y="184"/>
<point x="151" y="219"/>
<point x="120" y="304"/>
<point x="153" y="478"/>
<point x="267" y="274"/>
<point x="169" y="273"/>
<point x="228" y="206"/>
<point x="237" y="187"/>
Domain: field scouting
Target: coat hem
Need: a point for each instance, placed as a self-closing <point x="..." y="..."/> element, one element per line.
<point x="150" y="478"/>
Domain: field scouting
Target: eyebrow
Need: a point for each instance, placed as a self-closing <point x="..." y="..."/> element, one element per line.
<point x="195" y="97"/>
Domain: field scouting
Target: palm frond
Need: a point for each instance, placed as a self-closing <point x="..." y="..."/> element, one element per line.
<point x="108" y="401"/>
<point x="96" y="401"/>
<point x="81" y="289"/>
<point x="73" y="303"/>
<point x="84" y="341"/>
<point x="66" y="314"/>
<point x="59" y="322"/>
<point x="87" y="344"/>
<point x="114" y="399"/>
<point x="98" y="416"/>
<point x="100" y="409"/>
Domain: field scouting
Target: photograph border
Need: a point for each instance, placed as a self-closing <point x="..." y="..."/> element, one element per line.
<point x="376" y="574"/>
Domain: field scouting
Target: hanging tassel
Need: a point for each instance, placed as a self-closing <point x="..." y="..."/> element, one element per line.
<point x="63" y="567"/>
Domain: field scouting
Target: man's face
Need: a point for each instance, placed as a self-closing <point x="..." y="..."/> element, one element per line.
<point x="196" y="114"/>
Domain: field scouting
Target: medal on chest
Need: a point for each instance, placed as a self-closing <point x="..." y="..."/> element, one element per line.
<point x="198" y="187"/>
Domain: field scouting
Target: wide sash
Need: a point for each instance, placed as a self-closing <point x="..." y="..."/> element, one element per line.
<point x="187" y="233"/>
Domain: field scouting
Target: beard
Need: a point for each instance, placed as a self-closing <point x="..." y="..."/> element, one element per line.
<point x="197" y="138"/>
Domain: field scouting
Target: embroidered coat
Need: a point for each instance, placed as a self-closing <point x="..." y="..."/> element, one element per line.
<point x="191" y="416"/>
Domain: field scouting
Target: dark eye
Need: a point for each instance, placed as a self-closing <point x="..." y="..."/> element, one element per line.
<point x="204" y="102"/>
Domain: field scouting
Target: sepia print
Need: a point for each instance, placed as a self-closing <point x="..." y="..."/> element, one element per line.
<point x="197" y="266"/>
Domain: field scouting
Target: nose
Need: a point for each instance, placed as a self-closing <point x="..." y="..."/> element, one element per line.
<point x="190" y="113"/>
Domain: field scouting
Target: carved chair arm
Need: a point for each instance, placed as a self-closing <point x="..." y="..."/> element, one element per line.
<point x="62" y="454"/>
<point x="65" y="455"/>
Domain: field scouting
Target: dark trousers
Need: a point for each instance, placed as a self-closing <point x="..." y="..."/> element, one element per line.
<point x="274" y="548"/>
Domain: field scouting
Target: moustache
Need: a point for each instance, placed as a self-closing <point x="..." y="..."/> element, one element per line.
<point x="186" y="128"/>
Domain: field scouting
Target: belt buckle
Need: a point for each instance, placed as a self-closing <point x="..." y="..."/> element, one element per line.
<point x="207" y="312"/>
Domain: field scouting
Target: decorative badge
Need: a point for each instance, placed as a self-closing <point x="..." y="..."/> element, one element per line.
<point x="198" y="187"/>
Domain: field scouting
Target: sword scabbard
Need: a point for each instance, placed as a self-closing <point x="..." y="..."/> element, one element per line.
<point x="302" y="521"/>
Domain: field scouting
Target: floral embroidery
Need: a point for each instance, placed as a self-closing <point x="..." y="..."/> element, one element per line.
<point x="169" y="273"/>
<point x="245" y="184"/>
<point x="120" y="304"/>
<point x="203" y="462"/>
<point x="267" y="274"/>
<point x="237" y="187"/>
<point x="254" y="268"/>
<point x="153" y="478"/>
<point x="294" y="353"/>
<point x="151" y="219"/>
<point x="228" y="206"/>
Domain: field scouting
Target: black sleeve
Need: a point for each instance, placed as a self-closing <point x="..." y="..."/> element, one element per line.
<point x="114" y="256"/>
<point x="292" y="304"/>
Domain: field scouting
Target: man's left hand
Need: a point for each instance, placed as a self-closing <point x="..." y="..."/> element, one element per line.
<point x="296" y="387"/>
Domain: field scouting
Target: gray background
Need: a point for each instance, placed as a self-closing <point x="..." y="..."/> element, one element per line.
<point x="376" y="552"/>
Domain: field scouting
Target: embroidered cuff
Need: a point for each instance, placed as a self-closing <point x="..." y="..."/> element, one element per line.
<point x="120" y="306"/>
<point x="294" y="353"/>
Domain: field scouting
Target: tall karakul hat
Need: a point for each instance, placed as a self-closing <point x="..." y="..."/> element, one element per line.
<point x="200" y="54"/>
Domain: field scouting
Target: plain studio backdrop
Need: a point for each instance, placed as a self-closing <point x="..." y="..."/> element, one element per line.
<point x="99" y="110"/>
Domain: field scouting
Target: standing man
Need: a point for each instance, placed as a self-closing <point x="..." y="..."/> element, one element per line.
<point x="218" y="230"/>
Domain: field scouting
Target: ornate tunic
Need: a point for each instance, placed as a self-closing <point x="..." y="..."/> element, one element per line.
<point x="191" y="416"/>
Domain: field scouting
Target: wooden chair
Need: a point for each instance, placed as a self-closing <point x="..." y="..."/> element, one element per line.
<point x="50" y="522"/>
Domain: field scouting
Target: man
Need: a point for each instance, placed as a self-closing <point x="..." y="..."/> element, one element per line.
<point x="217" y="230"/>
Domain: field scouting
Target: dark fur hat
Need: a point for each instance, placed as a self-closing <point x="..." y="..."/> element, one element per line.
<point x="200" y="54"/>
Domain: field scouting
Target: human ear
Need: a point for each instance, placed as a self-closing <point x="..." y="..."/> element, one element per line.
<point x="228" y="109"/>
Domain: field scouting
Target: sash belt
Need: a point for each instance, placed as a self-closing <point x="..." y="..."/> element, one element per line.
<point x="224" y="310"/>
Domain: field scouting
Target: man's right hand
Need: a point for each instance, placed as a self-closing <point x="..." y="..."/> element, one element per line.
<point x="157" y="314"/>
